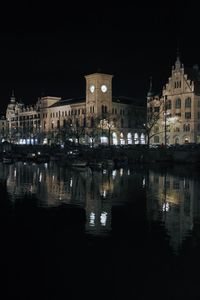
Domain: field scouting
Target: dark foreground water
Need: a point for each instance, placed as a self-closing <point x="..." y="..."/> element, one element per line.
<point x="131" y="233"/>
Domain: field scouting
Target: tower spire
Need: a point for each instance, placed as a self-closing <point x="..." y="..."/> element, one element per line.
<point x="150" y="92"/>
<point x="12" y="98"/>
<point x="178" y="62"/>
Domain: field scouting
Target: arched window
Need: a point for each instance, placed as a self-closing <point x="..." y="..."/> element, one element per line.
<point x="186" y="140"/>
<point x="178" y="103"/>
<point x="129" y="139"/>
<point x="114" y="136"/>
<point x="176" y="140"/>
<point x="142" y="138"/>
<point x="186" y="127"/>
<point x="64" y="123"/>
<point x="122" y="141"/>
<point x="58" y="124"/>
<point x="188" y="102"/>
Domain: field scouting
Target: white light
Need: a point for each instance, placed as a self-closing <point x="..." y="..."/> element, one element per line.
<point x="92" y="219"/>
<point x="114" y="173"/>
<point x="104" y="88"/>
<point x="143" y="182"/>
<point x="128" y="172"/>
<point x="121" y="171"/>
<point x="40" y="177"/>
<point x="103" y="218"/>
<point x="104" y="194"/>
<point x="71" y="183"/>
<point x="165" y="206"/>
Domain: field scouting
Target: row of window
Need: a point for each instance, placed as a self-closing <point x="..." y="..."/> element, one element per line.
<point x="188" y="103"/>
<point x="67" y="113"/>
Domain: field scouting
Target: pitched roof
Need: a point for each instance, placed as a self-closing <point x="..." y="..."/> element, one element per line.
<point x="63" y="102"/>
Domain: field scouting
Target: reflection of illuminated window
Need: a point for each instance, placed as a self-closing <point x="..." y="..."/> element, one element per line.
<point x="104" y="194"/>
<point x="165" y="206"/>
<point x="114" y="173"/>
<point x="92" y="219"/>
<point x="143" y="182"/>
<point x="71" y="182"/>
<point x="103" y="218"/>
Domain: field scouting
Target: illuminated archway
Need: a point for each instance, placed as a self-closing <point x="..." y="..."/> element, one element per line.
<point x="186" y="140"/>
<point x="142" y="139"/>
<point x="176" y="140"/>
<point x="122" y="141"/>
<point x="114" y="136"/>
<point x="136" y="138"/>
<point x="129" y="139"/>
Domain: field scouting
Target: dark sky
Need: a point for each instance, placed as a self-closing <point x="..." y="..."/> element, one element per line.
<point x="49" y="49"/>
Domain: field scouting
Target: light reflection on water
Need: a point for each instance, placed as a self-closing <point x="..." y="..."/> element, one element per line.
<point x="171" y="197"/>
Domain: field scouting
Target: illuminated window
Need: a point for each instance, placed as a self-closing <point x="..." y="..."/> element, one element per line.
<point x="136" y="138"/>
<point x="129" y="139"/>
<point x="114" y="135"/>
<point x="142" y="138"/>
<point x="104" y="140"/>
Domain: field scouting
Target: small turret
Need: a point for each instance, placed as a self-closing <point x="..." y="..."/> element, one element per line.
<point x="178" y="62"/>
<point x="12" y="98"/>
<point x="150" y="92"/>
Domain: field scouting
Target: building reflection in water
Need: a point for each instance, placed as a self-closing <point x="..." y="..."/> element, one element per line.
<point x="173" y="199"/>
<point x="52" y="185"/>
<point x="171" y="195"/>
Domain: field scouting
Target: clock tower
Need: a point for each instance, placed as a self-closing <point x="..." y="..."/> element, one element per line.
<point x="98" y="94"/>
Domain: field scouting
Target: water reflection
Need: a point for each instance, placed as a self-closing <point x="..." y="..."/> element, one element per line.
<point x="173" y="200"/>
<point x="52" y="185"/>
<point x="171" y="195"/>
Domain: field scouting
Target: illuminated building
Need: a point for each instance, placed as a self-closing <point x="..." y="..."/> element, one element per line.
<point x="97" y="118"/>
<point x="177" y="109"/>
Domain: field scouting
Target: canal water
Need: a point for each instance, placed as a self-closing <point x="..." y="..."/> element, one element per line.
<point x="131" y="233"/>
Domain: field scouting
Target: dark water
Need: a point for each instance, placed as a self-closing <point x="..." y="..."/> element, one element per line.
<point x="110" y="234"/>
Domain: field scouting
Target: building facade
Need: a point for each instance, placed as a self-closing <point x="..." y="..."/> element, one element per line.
<point x="175" y="115"/>
<point x="97" y="118"/>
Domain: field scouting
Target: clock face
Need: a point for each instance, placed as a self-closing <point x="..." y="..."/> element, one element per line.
<point x="92" y="88"/>
<point x="104" y="88"/>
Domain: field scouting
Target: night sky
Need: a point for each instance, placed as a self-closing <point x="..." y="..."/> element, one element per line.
<point x="47" y="50"/>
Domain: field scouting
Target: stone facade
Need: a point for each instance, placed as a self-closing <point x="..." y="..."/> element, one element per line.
<point x="177" y="109"/>
<point x="97" y="118"/>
